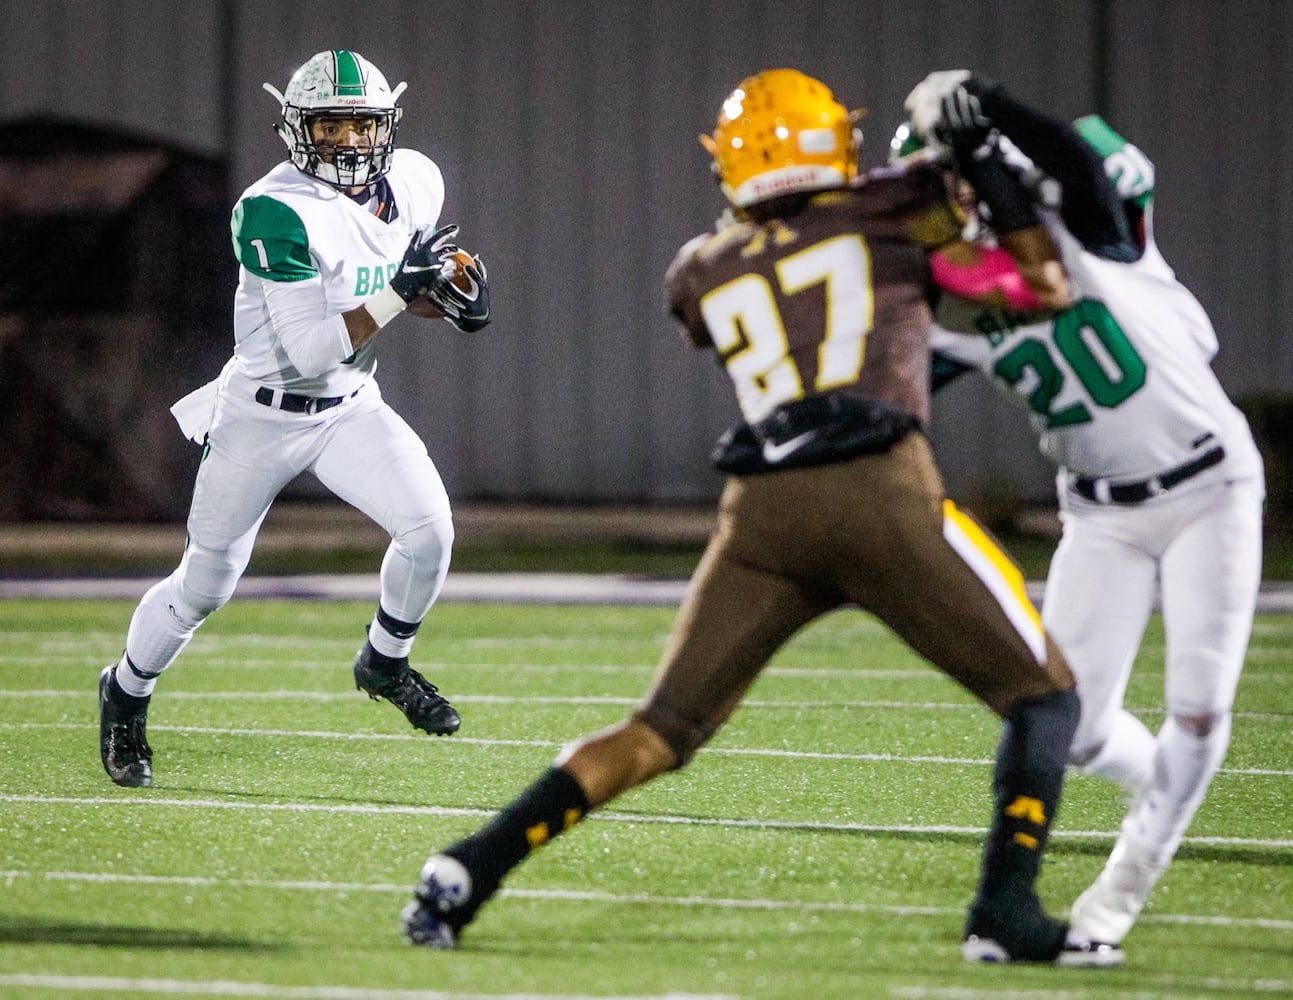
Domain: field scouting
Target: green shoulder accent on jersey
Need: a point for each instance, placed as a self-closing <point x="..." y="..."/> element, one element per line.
<point x="1130" y="170"/>
<point x="1099" y="134"/>
<point x="269" y="240"/>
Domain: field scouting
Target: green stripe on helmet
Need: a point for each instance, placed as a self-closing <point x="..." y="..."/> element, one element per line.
<point x="350" y="80"/>
<point x="905" y="141"/>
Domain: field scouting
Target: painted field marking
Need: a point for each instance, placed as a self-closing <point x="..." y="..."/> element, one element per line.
<point x="226" y="988"/>
<point x="148" y="800"/>
<point x="588" y="896"/>
<point x="557" y="744"/>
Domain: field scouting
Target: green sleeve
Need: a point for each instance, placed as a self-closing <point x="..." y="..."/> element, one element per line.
<point x="269" y="240"/>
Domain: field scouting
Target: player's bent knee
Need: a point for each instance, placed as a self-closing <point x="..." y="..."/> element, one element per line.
<point x="1199" y="724"/>
<point x="206" y="579"/>
<point x="429" y="541"/>
<point x="170" y="595"/>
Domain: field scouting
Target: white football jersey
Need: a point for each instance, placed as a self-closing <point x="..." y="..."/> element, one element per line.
<point x="1119" y="385"/>
<point x="307" y="254"/>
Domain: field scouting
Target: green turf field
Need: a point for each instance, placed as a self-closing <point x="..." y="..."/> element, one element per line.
<point x="825" y="846"/>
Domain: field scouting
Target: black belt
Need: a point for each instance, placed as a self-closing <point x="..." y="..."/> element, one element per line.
<point x="293" y="403"/>
<point x="1142" y="491"/>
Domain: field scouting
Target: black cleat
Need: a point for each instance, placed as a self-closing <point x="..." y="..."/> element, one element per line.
<point x="123" y="745"/>
<point x="407" y="690"/>
<point x="1073" y="954"/>
<point x="1013" y="929"/>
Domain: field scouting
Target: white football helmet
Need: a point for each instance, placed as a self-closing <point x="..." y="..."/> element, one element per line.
<point x="338" y="83"/>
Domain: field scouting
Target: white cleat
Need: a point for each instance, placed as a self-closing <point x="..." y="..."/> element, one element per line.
<point x="1079" y="954"/>
<point x="444" y="887"/>
<point x="1074" y="954"/>
<point x="1106" y="911"/>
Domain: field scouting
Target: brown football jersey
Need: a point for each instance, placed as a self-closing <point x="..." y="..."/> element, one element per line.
<point x="832" y="298"/>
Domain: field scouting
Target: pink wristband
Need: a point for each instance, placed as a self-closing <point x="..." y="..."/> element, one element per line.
<point x="995" y="271"/>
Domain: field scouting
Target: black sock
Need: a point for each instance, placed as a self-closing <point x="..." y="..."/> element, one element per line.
<point x="382" y="663"/>
<point x="550" y="806"/>
<point x="131" y="703"/>
<point x="1028" y="780"/>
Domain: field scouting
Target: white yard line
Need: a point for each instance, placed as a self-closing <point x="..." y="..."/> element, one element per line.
<point x="471" y="588"/>
<point x="225" y="988"/>
<point x="605" y="897"/>
<point x="525" y="699"/>
<point x="625" y="899"/>
<point x="1164" y="988"/>
<point x="504" y="699"/>
<point x="147" y="799"/>
<point x="62" y="651"/>
<point x="556" y="744"/>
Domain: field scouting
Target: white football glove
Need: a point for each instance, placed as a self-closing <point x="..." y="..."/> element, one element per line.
<point x="924" y="105"/>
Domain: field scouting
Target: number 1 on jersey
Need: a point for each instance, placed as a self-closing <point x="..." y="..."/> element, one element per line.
<point x="259" y="244"/>
<point x="749" y="334"/>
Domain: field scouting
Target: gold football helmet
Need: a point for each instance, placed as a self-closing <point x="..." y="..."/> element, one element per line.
<point x="779" y="132"/>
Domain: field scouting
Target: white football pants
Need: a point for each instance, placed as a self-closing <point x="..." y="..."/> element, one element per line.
<point x="1200" y="549"/>
<point x="361" y="450"/>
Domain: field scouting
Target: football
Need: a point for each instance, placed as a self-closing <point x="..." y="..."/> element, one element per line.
<point x="461" y="260"/>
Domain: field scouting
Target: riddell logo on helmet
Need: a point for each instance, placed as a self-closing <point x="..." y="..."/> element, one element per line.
<point x="787" y="181"/>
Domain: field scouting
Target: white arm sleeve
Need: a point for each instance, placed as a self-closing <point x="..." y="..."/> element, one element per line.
<point x="313" y="340"/>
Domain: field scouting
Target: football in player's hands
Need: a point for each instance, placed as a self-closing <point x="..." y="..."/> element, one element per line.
<point x="462" y="292"/>
<point x="455" y="269"/>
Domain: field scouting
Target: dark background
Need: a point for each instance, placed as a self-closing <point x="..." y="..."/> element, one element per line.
<point x="567" y="135"/>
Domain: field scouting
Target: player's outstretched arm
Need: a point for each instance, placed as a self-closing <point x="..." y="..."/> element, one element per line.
<point x="953" y="104"/>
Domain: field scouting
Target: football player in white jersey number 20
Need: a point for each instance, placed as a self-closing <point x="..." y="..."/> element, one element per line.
<point x="1160" y="483"/>
<point x="332" y="245"/>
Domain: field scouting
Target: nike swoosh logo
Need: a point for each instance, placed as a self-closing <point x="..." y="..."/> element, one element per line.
<point x="774" y="453"/>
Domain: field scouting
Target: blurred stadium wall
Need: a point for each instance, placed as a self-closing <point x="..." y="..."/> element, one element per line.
<point x="567" y="136"/>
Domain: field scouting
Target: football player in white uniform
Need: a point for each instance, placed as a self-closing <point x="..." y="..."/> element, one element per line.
<point x="1160" y="483"/>
<point x="332" y="245"/>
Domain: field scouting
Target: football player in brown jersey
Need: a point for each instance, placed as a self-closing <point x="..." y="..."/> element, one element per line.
<point x="815" y="297"/>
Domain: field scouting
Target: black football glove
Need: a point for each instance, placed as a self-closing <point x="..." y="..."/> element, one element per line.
<point x="420" y="270"/>
<point x="1010" y="203"/>
<point x="467" y="310"/>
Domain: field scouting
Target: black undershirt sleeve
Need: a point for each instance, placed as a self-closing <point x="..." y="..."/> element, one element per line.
<point x="1090" y="206"/>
